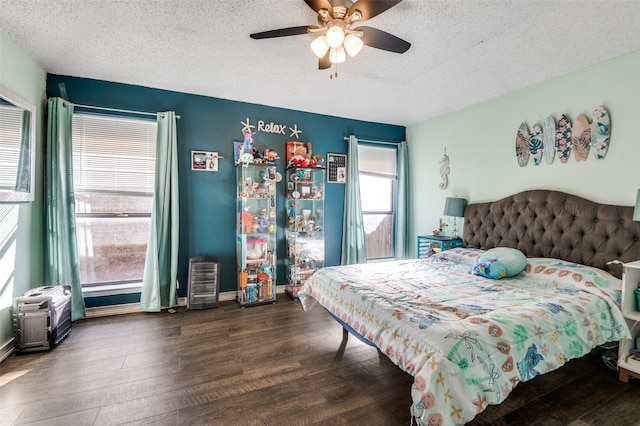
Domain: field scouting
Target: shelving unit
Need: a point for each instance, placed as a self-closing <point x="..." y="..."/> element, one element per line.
<point x="256" y="233"/>
<point x="305" y="225"/>
<point x="631" y="312"/>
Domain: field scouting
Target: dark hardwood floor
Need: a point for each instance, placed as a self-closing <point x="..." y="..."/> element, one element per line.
<point x="265" y="365"/>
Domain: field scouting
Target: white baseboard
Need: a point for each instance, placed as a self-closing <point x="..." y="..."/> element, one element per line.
<point x="129" y="308"/>
<point x="231" y="295"/>
<point x="6" y="349"/>
<point x="104" y="311"/>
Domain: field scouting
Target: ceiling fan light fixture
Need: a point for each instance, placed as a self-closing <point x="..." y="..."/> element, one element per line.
<point x="337" y="55"/>
<point x="352" y="44"/>
<point x="335" y="36"/>
<point x="320" y="46"/>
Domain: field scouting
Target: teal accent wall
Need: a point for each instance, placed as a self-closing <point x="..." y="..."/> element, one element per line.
<point x="21" y="223"/>
<point x="207" y="199"/>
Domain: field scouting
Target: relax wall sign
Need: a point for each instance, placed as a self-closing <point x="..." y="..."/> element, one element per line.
<point x="270" y="127"/>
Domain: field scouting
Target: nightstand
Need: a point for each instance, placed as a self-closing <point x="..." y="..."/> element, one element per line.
<point x="631" y="311"/>
<point x="429" y="245"/>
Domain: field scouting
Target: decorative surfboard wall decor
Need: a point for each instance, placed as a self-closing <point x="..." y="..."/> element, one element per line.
<point x="600" y="132"/>
<point x="561" y="138"/>
<point x="580" y="138"/>
<point x="522" y="145"/>
<point x="535" y="144"/>
<point x="549" y="139"/>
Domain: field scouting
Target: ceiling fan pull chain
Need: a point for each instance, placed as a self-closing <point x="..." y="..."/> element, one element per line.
<point x="334" y="71"/>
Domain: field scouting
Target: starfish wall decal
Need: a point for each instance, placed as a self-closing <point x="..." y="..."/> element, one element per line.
<point x="246" y="126"/>
<point x="294" y="131"/>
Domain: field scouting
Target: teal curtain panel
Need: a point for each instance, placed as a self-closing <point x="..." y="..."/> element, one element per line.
<point x="353" y="248"/>
<point x="161" y="266"/>
<point x="61" y="249"/>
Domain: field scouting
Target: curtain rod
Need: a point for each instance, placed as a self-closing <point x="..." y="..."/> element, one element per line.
<point x="380" y="142"/>
<point x="119" y="110"/>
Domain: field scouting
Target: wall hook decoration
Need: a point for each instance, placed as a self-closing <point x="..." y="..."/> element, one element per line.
<point x="444" y="170"/>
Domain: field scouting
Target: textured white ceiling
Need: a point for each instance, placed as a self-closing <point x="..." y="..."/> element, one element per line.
<point x="463" y="52"/>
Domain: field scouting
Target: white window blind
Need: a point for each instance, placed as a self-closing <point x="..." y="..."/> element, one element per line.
<point x="376" y="160"/>
<point x="113" y="154"/>
<point x="10" y="143"/>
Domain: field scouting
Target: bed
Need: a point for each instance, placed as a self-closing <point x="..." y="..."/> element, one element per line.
<point x="468" y="340"/>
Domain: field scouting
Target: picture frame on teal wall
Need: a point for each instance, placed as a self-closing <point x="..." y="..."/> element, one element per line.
<point x="336" y="168"/>
<point x="204" y="161"/>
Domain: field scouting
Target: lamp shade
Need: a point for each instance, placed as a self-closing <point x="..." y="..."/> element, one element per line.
<point x="320" y="46"/>
<point x="336" y="55"/>
<point x="636" y="211"/>
<point x="352" y="44"/>
<point x="454" y="206"/>
<point x="335" y="36"/>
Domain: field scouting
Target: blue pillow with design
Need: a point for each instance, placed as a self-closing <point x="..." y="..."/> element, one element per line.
<point x="500" y="262"/>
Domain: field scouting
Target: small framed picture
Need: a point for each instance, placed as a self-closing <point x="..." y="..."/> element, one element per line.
<point x="204" y="160"/>
<point x="336" y="168"/>
<point x="305" y="190"/>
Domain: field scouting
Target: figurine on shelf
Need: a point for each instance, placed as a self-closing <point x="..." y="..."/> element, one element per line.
<point x="246" y="219"/>
<point x="299" y="159"/>
<point x="440" y="230"/>
<point x="263" y="221"/>
<point x="257" y="157"/>
<point x="256" y="248"/>
<point x="292" y="211"/>
<point x="246" y="152"/>
<point x="266" y="269"/>
<point x="270" y="156"/>
<point x="317" y="159"/>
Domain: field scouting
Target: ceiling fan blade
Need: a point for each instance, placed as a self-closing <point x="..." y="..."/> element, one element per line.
<point x="324" y="62"/>
<point x="379" y="39"/>
<point x="283" y="32"/>
<point x="319" y="4"/>
<point x="371" y="8"/>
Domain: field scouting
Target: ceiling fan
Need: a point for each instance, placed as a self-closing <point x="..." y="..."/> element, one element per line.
<point x="336" y="20"/>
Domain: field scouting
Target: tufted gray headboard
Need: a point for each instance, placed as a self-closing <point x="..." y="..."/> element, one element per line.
<point x="544" y="223"/>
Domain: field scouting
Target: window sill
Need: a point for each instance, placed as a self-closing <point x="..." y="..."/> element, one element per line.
<point x="111" y="289"/>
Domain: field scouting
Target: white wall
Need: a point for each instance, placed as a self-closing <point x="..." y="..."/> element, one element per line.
<point x="21" y="251"/>
<point x="480" y="142"/>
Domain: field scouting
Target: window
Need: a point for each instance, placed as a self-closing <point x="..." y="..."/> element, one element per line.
<point x="377" y="168"/>
<point x="113" y="178"/>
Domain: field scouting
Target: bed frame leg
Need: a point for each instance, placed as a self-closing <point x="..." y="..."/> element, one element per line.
<point x="345" y="338"/>
<point x="625" y="375"/>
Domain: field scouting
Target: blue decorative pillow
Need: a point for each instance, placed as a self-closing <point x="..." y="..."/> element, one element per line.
<point x="489" y="268"/>
<point x="500" y="262"/>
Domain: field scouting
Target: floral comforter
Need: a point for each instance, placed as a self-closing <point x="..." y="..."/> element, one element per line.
<point x="467" y="340"/>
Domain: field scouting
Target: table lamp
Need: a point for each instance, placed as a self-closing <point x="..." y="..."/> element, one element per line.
<point x="454" y="206"/>
<point x="636" y="211"/>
